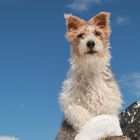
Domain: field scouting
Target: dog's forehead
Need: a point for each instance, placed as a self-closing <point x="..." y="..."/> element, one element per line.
<point x="87" y="28"/>
<point x="90" y="28"/>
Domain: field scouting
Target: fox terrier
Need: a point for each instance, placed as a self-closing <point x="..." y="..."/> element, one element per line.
<point x="90" y="95"/>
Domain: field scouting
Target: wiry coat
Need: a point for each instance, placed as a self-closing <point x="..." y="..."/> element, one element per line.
<point x="90" y="90"/>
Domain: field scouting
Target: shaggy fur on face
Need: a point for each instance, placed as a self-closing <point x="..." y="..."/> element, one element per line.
<point x="97" y="29"/>
<point x="90" y="88"/>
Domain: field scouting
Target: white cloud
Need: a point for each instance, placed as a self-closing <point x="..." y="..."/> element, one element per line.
<point x="123" y="20"/>
<point x="131" y="82"/>
<point x="82" y="5"/>
<point x="8" y="138"/>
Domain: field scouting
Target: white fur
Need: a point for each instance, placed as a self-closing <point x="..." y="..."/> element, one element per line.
<point x="90" y="88"/>
<point x="99" y="127"/>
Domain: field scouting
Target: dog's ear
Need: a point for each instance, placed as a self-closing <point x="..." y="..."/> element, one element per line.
<point x="72" y="22"/>
<point x="101" y="20"/>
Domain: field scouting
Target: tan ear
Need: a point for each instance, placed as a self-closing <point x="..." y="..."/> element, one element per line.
<point x="101" y="20"/>
<point x="72" y="22"/>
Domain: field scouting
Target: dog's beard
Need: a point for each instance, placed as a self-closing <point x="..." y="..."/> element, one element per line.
<point x="91" y="52"/>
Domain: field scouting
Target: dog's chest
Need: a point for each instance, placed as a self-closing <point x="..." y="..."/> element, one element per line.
<point x="96" y="94"/>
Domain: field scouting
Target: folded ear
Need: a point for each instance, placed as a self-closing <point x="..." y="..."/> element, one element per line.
<point x="72" y="22"/>
<point x="101" y="20"/>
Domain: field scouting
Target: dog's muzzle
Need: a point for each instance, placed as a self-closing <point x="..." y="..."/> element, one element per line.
<point x="90" y="45"/>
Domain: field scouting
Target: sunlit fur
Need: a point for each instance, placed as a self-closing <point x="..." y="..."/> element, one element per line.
<point x="90" y="88"/>
<point x="89" y="30"/>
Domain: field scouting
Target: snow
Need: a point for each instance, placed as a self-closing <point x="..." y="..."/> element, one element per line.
<point x="99" y="127"/>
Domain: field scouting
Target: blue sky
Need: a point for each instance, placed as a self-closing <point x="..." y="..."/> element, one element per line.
<point x="34" y="60"/>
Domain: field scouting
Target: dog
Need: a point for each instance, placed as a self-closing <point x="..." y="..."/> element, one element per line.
<point x="90" y="89"/>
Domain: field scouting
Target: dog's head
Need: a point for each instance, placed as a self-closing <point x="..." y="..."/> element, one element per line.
<point x="89" y="38"/>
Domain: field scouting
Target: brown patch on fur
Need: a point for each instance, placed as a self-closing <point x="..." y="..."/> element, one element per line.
<point x="75" y="49"/>
<point x="71" y="35"/>
<point x="102" y="22"/>
<point x="116" y="138"/>
<point x="73" y="23"/>
<point x="66" y="132"/>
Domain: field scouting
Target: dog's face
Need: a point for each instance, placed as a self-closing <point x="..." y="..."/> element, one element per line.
<point x="89" y="38"/>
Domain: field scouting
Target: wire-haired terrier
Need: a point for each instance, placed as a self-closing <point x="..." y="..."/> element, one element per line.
<point x="90" y="92"/>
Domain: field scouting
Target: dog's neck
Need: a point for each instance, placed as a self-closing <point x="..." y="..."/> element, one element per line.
<point x="93" y="66"/>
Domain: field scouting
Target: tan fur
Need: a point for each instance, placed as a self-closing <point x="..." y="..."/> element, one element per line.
<point x="101" y="20"/>
<point x="90" y="88"/>
<point x="116" y="138"/>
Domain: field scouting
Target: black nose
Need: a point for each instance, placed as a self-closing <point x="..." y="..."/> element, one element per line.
<point x="90" y="44"/>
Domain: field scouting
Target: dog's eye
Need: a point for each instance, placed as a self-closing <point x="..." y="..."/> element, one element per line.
<point x="97" y="33"/>
<point x="81" y="35"/>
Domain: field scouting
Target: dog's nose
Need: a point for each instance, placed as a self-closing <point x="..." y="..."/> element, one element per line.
<point x="90" y="44"/>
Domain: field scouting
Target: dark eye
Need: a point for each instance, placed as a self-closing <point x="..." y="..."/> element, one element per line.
<point x="81" y="35"/>
<point x="97" y="33"/>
